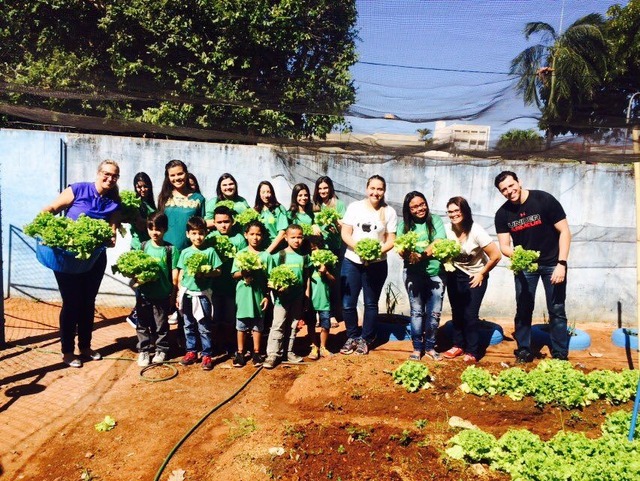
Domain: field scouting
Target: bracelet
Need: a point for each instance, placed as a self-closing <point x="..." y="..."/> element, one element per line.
<point x="563" y="263"/>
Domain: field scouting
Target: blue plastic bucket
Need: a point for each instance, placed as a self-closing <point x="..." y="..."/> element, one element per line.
<point x="60" y="260"/>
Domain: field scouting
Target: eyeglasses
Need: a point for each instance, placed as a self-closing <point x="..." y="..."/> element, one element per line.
<point x="453" y="212"/>
<point x="109" y="175"/>
<point x="419" y="206"/>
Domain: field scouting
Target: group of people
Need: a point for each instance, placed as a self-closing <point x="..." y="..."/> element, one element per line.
<point x="229" y="302"/>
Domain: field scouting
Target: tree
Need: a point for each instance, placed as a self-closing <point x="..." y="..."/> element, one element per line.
<point x="255" y="67"/>
<point x="563" y="71"/>
<point x="425" y="136"/>
<point x="517" y="140"/>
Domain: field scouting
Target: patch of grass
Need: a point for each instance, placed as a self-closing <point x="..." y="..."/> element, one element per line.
<point x="294" y="431"/>
<point x="341" y="449"/>
<point x="420" y="423"/>
<point x="404" y="438"/>
<point x="240" y="427"/>
<point x="358" y="434"/>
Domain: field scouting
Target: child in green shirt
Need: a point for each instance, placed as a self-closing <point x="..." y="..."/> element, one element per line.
<point x="194" y="297"/>
<point x="252" y="295"/>
<point x="322" y="278"/>
<point x="289" y="305"/>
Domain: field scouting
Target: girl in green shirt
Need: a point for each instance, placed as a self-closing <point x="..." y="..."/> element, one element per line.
<point x="272" y="215"/>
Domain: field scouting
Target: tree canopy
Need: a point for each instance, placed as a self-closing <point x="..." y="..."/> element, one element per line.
<point x="273" y="68"/>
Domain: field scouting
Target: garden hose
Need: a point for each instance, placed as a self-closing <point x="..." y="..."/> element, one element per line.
<point x="200" y="421"/>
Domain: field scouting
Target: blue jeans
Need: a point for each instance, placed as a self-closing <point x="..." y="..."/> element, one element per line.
<point x="465" y="309"/>
<point x="425" y="298"/>
<point x="366" y="278"/>
<point x="526" y="284"/>
<point x="192" y="327"/>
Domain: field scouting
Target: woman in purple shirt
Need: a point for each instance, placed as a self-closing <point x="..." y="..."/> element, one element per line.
<point x="98" y="200"/>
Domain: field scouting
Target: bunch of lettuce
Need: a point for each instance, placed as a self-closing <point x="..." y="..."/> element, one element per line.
<point x="197" y="264"/>
<point x="445" y="250"/>
<point x="524" y="260"/>
<point x="325" y="257"/>
<point x="307" y="229"/>
<point x="226" y="203"/>
<point x="247" y="216"/>
<point x="138" y="265"/>
<point x="80" y="237"/>
<point x="368" y="249"/>
<point x="413" y="376"/>
<point x="282" y="278"/>
<point x="223" y="246"/>
<point x="248" y="261"/>
<point x="107" y="424"/>
<point x="327" y="216"/>
<point x="408" y="242"/>
<point x="130" y="206"/>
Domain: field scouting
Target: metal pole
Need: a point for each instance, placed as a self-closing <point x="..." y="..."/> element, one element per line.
<point x="2" y="324"/>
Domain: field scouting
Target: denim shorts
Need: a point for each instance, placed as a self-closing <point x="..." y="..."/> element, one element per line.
<point x="325" y="319"/>
<point x="247" y="324"/>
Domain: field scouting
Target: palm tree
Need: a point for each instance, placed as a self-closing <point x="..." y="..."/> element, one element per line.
<point x="562" y="71"/>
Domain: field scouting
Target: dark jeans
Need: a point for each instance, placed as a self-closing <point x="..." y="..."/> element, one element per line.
<point x="465" y="308"/>
<point x="78" y="292"/>
<point x="366" y="278"/>
<point x="425" y="300"/>
<point x="526" y="284"/>
<point x="153" y="324"/>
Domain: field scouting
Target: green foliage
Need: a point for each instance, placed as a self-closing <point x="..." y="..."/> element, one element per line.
<point x="197" y="264"/>
<point x="223" y="246"/>
<point x="325" y="257"/>
<point x="445" y="250"/>
<point x="368" y="249"/>
<point x="107" y="424"/>
<point x="258" y="67"/>
<point x="520" y="141"/>
<point x="129" y="205"/>
<point x="80" y="237"/>
<point x="408" y="242"/>
<point x="413" y="376"/>
<point x="478" y="381"/>
<point x="138" y="265"/>
<point x="524" y="260"/>
<point x="327" y="216"/>
<point x="247" y="216"/>
<point x="473" y="445"/>
<point x="226" y="203"/>
<point x="512" y="382"/>
<point x="282" y="278"/>
<point x="307" y="229"/>
<point x="248" y="261"/>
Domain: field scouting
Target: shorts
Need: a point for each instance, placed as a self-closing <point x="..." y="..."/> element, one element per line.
<point x="247" y="324"/>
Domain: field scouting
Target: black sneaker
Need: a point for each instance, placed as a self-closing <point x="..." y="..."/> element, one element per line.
<point x="256" y="358"/>
<point x="523" y="356"/>
<point x="238" y="360"/>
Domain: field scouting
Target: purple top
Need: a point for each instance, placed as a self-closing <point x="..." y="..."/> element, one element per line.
<point x="87" y="200"/>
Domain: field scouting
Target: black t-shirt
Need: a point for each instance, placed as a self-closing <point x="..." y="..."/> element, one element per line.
<point x="531" y="224"/>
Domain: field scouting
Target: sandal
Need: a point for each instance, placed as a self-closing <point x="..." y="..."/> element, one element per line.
<point x="453" y="353"/>
<point x="414" y="356"/>
<point x="469" y="358"/>
<point x="433" y="355"/>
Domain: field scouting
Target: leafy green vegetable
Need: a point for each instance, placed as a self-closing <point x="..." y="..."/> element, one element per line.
<point x="107" y="424"/>
<point x="368" y="249"/>
<point x="282" y="278"/>
<point x="327" y="216"/>
<point x="407" y="242"/>
<point x="247" y="216"/>
<point x="472" y="444"/>
<point x="524" y="260"/>
<point x="226" y="203"/>
<point x="325" y="257"/>
<point x="445" y="250"/>
<point x="138" y="265"/>
<point x="223" y="246"/>
<point x="197" y="264"/>
<point x="413" y="376"/>
<point x="130" y="205"/>
<point x="248" y="261"/>
<point x="478" y="381"/>
<point x="307" y="229"/>
<point x="80" y="237"/>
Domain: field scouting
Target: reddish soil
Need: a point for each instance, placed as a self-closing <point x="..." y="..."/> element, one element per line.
<point x="340" y="418"/>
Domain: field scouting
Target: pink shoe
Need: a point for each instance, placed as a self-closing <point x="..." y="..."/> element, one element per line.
<point x="453" y="353"/>
<point x="469" y="358"/>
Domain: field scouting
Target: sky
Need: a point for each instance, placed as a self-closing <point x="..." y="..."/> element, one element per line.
<point x="427" y="60"/>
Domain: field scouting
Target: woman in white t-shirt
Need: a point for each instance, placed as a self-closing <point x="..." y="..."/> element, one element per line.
<point x="468" y="283"/>
<point x="369" y="218"/>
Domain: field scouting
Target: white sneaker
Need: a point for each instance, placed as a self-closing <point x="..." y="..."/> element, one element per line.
<point x="143" y="359"/>
<point x="173" y="318"/>
<point x="159" y="357"/>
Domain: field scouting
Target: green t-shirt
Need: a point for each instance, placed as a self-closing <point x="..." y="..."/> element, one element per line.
<point x="274" y="222"/>
<point x="320" y="291"/>
<point x="431" y="266"/>
<point x="300" y="265"/>
<point x="198" y="283"/>
<point x="225" y="285"/>
<point x="161" y="288"/>
<point x="139" y="236"/>
<point x="178" y="211"/>
<point x="249" y="297"/>
<point x="331" y="234"/>
<point x="299" y="218"/>
<point x="240" y="204"/>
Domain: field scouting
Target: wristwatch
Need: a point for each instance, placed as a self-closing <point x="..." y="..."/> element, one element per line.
<point x="563" y="263"/>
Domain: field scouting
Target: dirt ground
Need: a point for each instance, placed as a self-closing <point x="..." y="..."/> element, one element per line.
<point x="338" y="418"/>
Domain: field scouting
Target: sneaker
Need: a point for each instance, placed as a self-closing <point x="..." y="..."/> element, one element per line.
<point x="314" y="355"/>
<point x="452" y="353"/>
<point x="270" y="362"/>
<point x="189" y="358"/>
<point x="362" y="347"/>
<point x="207" y="363"/>
<point x="324" y="352"/>
<point x="294" y="358"/>
<point x="173" y="318"/>
<point x="159" y="357"/>
<point x="238" y="360"/>
<point x="433" y="355"/>
<point x="90" y="354"/>
<point x="256" y="359"/>
<point x="71" y="360"/>
<point x="349" y="346"/>
<point x="469" y="358"/>
<point x="132" y="319"/>
<point x="523" y="356"/>
<point x="143" y="359"/>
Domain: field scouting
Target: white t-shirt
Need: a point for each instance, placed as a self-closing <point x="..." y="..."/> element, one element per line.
<point x="368" y="223"/>
<point x="472" y="258"/>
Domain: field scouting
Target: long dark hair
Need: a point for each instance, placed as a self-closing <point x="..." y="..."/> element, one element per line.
<point x="408" y="218"/>
<point x="294" y="208"/>
<point x="219" y="193"/>
<point x="191" y="177"/>
<point x="465" y="210"/>
<point x="383" y="202"/>
<point x="273" y="204"/>
<point x="167" y="187"/>
<point x="317" y="200"/>
<point x="144" y="177"/>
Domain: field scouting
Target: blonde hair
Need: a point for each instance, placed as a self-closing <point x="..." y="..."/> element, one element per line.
<point x="108" y="162"/>
<point x="113" y="193"/>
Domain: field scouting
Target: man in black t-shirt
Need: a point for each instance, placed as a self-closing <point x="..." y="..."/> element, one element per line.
<point x="536" y="221"/>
